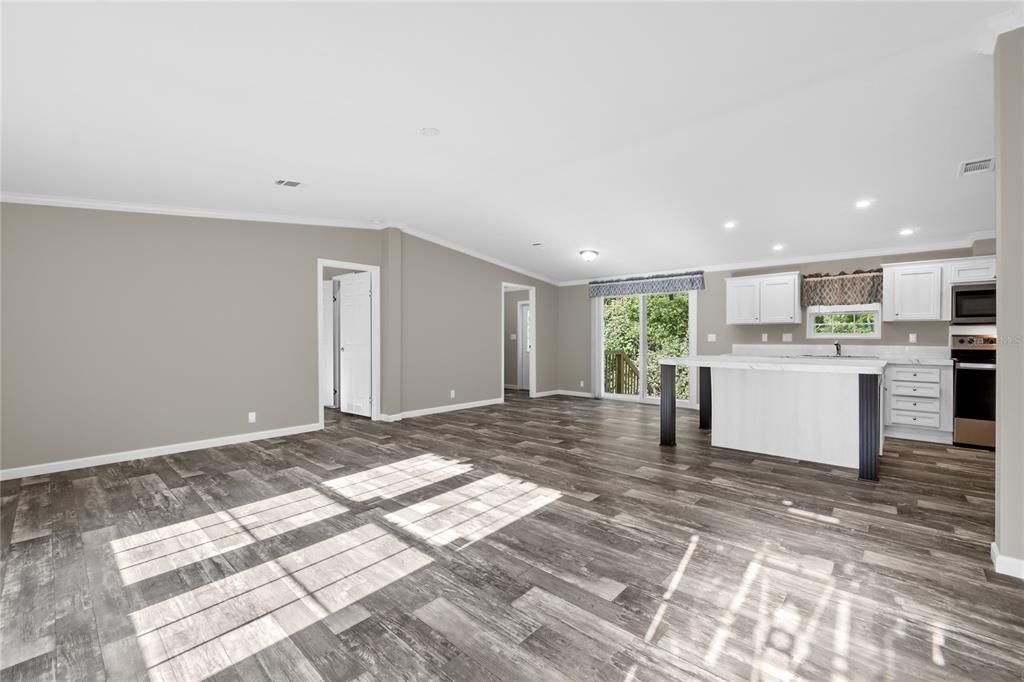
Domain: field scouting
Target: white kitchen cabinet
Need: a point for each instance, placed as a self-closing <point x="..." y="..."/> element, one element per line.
<point x="981" y="269"/>
<point x="780" y="299"/>
<point x="919" y="402"/>
<point x="912" y="292"/>
<point x="742" y="301"/>
<point x="763" y="299"/>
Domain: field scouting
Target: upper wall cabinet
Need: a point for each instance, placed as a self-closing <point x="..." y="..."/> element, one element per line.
<point x="763" y="299"/>
<point x="922" y="290"/>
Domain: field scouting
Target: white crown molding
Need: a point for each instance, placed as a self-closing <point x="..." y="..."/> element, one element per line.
<point x="157" y="451"/>
<point x="1007" y="565"/>
<point x="189" y="212"/>
<point x="476" y="254"/>
<point x="798" y="260"/>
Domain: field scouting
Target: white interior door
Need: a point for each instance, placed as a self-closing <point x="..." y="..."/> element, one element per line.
<point x="355" y="342"/>
<point x="525" y="341"/>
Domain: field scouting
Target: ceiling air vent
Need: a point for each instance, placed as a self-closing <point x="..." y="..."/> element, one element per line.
<point x="979" y="166"/>
<point x="287" y="183"/>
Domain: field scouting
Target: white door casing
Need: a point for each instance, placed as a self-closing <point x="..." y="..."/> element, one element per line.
<point x="326" y="346"/>
<point x="525" y="344"/>
<point x="355" y="298"/>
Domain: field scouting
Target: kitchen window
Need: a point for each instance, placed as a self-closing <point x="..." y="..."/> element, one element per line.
<point x="844" y="321"/>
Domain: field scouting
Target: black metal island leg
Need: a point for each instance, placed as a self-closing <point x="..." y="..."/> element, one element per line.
<point x="870" y="422"/>
<point x="704" y="397"/>
<point x="668" y="404"/>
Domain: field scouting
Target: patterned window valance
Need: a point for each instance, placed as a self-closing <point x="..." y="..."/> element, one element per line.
<point x="860" y="286"/>
<point x="658" y="284"/>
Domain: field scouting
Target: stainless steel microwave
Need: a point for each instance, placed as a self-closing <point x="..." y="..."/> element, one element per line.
<point x="974" y="303"/>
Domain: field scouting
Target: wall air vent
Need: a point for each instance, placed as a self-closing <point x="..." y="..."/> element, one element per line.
<point x="979" y="166"/>
<point x="287" y="183"/>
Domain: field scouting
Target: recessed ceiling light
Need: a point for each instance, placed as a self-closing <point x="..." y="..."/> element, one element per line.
<point x="287" y="183"/>
<point x="778" y="247"/>
<point x="588" y="254"/>
<point x="430" y="132"/>
<point x="907" y="231"/>
<point x="864" y="203"/>
<point x="730" y="224"/>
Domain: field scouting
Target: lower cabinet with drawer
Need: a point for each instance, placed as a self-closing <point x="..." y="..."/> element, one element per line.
<point x="919" y="402"/>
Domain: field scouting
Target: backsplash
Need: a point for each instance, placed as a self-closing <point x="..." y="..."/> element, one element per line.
<point x="884" y="352"/>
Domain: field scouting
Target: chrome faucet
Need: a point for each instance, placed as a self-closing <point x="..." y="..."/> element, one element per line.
<point x="839" y="349"/>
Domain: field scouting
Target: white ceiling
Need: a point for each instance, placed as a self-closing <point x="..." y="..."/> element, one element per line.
<point x="632" y="129"/>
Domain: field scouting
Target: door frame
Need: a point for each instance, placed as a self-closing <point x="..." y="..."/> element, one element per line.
<point x="532" y="298"/>
<point x="374" y="270"/>
<point x="597" y="340"/>
<point x="520" y="305"/>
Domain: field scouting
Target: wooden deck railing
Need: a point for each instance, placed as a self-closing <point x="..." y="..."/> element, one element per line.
<point x="621" y="374"/>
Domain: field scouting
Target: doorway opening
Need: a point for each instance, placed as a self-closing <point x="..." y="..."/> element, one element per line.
<point x="634" y="333"/>
<point x="518" y="360"/>
<point x="348" y="333"/>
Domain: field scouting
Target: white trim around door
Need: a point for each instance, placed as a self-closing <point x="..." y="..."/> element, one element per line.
<point x="375" y="356"/>
<point x="514" y="286"/>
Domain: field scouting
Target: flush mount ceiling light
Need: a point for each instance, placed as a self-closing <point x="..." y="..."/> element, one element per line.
<point x="588" y="254"/>
<point x="287" y="183"/>
<point x="778" y="247"/>
<point x="729" y="224"/>
<point x="907" y="231"/>
<point x="864" y="203"/>
<point x="429" y="132"/>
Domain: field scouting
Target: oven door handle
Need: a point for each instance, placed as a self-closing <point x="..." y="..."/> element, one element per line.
<point x="975" y="365"/>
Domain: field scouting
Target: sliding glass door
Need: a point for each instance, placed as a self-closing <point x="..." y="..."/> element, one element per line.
<point x="637" y="331"/>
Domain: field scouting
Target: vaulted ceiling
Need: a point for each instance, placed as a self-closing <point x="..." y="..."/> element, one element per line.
<point x="636" y="130"/>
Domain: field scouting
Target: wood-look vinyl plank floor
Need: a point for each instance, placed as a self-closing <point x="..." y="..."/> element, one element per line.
<point x="542" y="539"/>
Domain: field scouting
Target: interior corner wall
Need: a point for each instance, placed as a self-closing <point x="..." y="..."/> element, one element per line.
<point x="1009" y="109"/>
<point x="452" y="326"/>
<point x="391" y="321"/>
<point x="511" y="326"/>
<point x="124" y="331"/>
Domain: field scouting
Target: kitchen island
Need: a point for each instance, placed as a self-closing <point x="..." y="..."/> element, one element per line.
<point x="816" y="409"/>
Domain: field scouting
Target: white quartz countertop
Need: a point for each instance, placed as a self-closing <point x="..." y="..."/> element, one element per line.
<point x="825" y="365"/>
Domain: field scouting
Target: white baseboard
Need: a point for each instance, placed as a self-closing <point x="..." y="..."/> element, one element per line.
<point x="574" y="394"/>
<point x="442" y="408"/>
<point x="157" y="451"/>
<point x="1007" y="565"/>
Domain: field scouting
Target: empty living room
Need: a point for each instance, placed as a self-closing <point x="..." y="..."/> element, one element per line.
<point x="589" y="341"/>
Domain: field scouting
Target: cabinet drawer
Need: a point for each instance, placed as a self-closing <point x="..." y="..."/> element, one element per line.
<point x="922" y="419"/>
<point x="915" y="374"/>
<point x="915" y="389"/>
<point x="914" y="404"/>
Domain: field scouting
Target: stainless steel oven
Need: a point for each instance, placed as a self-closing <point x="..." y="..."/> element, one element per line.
<point x="974" y="303"/>
<point x="974" y="390"/>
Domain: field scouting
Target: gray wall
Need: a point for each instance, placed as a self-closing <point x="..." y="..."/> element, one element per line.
<point x="1009" y="81"/>
<point x="512" y="299"/>
<point x="123" y="331"/>
<point x="574" y="346"/>
<point x="711" y="308"/>
<point x="451" y="322"/>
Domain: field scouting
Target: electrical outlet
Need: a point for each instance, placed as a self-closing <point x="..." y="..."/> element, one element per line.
<point x="252" y="417"/>
<point x="452" y="395"/>
<point x="911" y="338"/>
<point x="512" y="336"/>
<point x="581" y="383"/>
<point x="764" y="338"/>
<point x="787" y="338"/>
<point x="712" y="338"/>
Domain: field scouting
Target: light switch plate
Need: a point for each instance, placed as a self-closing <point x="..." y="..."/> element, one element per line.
<point x="912" y="338"/>
<point x="787" y="338"/>
<point x="581" y="383"/>
<point x="252" y="417"/>
<point x="712" y="338"/>
<point x="764" y="338"/>
<point x="452" y="394"/>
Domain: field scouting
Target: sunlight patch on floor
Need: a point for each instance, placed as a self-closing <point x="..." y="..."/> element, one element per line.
<point x="208" y="629"/>
<point x="473" y="511"/>
<point x="152" y="553"/>
<point x="397" y="478"/>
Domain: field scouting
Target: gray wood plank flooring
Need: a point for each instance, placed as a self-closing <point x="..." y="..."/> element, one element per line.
<point x="546" y="539"/>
